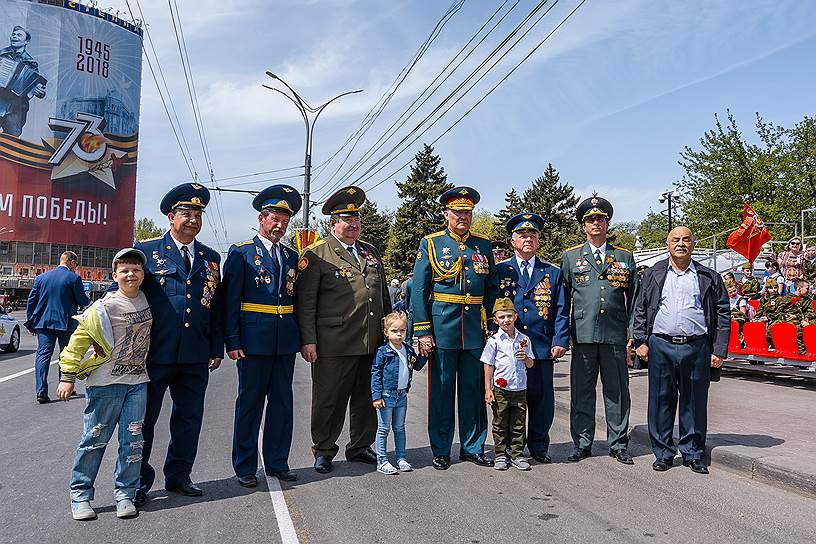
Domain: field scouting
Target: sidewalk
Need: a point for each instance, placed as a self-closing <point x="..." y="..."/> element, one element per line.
<point x="759" y="427"/>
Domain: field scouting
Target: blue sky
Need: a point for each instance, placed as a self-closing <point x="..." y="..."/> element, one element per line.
<point x="610" y="99"/>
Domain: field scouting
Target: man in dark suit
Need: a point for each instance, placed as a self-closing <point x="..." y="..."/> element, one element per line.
<point x="186" y="340"/>
<point x="261" y="334"/>
<point x="538" y="293"/>
<point x="53" y="301"/>
<point x="682" y="324"/>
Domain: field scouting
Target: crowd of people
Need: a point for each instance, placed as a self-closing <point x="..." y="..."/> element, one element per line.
<point x="487" y="332"/>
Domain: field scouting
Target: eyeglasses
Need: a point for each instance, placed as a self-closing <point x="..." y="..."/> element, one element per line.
<point x="796" y="243"/>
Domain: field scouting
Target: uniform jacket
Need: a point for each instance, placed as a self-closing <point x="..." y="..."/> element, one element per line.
<point x="541" y="306"/>
<point x="187" y="326"/>
<point x="714" y="297"/>
<point x="54" y="300"/>
<point x="251" y="277"/>
<point x="602" y="297"/>
<point x="451" y="275"/>
<point x="340" y="302"/>
<point x="385" y="370"/>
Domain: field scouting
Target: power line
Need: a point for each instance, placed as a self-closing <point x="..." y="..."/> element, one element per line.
<point x="502" y="80"/>
<point x="261" y="173"/>
<point x="293" y="176"/>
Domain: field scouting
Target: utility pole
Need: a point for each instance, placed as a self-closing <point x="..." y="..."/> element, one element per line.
<point x="668" y="196"/>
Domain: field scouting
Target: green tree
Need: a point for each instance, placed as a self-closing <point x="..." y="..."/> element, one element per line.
<point x="555" y="202"/>
<point x="376" y="226"/>
<point x="485" y="224"/>
<point x="145" y="228"/>
<point x="653" y="230"/>
<point x="419" y="214"/>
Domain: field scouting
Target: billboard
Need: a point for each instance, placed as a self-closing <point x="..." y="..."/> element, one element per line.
<point x="70" y="82"/>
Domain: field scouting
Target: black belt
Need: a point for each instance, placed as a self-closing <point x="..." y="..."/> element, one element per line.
<point x="680" y="339"/>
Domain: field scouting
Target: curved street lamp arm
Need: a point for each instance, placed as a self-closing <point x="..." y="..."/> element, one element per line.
<point x="300" y="99"/>
<point x="297" y="105"/>
<point x="323" y="106"/>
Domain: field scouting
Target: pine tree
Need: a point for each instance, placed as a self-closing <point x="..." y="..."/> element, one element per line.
<point x="376" y="226"/>
<point x="419" y="214"/>
<point x="555" y="202"/>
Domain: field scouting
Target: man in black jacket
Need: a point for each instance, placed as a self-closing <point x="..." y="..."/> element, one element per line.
<point x="681" y="326"/>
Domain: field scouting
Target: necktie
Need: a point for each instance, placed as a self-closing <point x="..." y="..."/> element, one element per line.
<point x="525" y="273"/>
<point x="353" y="253"/>
<point x="185" y="252"/>
<point x="598" y="257"/>
<point x="274" y="254"/>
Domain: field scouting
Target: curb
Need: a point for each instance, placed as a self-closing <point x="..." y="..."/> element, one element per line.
<point x="755" y="468"/>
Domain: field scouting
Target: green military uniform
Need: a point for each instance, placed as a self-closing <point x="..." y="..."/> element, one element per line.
<point x="454" y="285"/>
<point x="772" y="306"/>
<point x="602" y="298"/>
<point x="809" y="267"/>
<point x="750" y="287"/>
<point x="340" y="302"/>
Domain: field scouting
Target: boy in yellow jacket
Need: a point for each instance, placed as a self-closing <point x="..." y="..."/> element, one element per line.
<point x="118" y="328"/>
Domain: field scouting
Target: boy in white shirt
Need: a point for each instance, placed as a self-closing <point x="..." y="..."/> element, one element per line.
<point x="507" y="355"/>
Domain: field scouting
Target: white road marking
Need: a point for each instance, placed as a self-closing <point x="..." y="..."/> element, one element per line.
<point x="24" y="372"/>
<point x="285" y="525"/>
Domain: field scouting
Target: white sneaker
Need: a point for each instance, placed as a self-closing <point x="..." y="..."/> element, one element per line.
<point x="82" y="511"/>
<point x="125" y="509"/>
<point x="520" y="463"/>
<point x="404" y="466"/>
<point x="387" y="468"/>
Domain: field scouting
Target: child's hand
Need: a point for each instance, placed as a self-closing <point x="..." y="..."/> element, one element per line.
<point x="521" y="354"/>
<point x="64" y="390"/>
<point x="489" y="398"/>
<point x="379" y="403"/>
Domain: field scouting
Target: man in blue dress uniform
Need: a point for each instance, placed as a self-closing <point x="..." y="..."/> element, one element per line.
<point x="261" y="334"/>
<point x="454" y="283"/>
<point x="181" y="280"/>
<point x="537" y="291"/>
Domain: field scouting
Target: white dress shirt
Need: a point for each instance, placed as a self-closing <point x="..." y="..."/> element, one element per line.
<point x="601" y="248"/>
<point x="500" y="353"/>
<point x="190" y="249"/>
<point x="680" y="312"/>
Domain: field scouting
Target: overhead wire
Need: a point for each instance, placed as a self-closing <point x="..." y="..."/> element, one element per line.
<point x="261" y="173"/>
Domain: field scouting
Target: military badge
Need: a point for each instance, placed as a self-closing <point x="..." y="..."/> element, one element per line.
<point x="290" y="282"/>
<point x="302" y="264"/>
<point x="419" y="255"/>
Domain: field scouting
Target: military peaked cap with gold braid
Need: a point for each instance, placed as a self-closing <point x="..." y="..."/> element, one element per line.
<point x="525" y="221"/>
<point x="345" y="202"/>
<point x="187" y="196"/>
<point x="282" y="198"/>
<point x="593" y="205"/>
<point x="460" y="198"/>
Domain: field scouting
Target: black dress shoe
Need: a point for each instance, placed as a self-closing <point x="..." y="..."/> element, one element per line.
<point x="579" y="454"/>
<point x="323" y="464"/>
<point x="248" y="481"/>
<point x="140" y="499"/>
<point x="441" y="462"/>
<point x="696" y="465"/>
<point x="662" y="465"/>
<point x="622" y="456"/>
<point x="283" y="475"/>
<point x="188" y="489"/>
<point x="542" y="458"/>
<point x="43" y="399"/>
<point x="366" y="456"/>
<point x="477" y="459"/>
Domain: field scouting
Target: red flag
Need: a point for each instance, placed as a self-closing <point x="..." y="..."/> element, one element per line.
<point x="747" y="240"/>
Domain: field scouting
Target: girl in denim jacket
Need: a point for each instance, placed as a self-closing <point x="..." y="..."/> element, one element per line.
<point x="394" y="363"/>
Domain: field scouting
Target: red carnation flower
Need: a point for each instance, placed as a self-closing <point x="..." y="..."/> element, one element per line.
<point x="501" y="382"/>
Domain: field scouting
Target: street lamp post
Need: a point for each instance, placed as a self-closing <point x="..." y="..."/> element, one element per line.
<point x="305" y="109"/>
<point x="668" y="196"/>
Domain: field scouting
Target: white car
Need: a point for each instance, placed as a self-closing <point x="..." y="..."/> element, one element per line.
<point x="9" y="333"/>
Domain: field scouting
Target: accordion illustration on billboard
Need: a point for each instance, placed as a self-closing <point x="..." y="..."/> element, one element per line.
<point x="19" y="78"/>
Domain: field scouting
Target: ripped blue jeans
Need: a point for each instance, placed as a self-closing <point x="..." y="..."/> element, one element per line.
<point x="106" y="407"/>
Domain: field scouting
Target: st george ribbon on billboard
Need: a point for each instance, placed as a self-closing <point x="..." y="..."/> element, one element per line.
<point x="70" y="81"/>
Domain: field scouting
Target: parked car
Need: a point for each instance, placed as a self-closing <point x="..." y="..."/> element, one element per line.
<point x="9" y="332"/>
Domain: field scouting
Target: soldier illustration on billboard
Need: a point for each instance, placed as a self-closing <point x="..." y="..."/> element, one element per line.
<point x="19" y="82"/>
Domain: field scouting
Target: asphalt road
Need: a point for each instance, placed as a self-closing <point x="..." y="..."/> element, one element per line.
<point x="597" y="500"/>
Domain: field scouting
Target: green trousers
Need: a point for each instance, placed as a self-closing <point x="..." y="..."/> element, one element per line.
<point x="587" y="361"/>
<point x="450" y="369"/>
<point x="509" y="418"/>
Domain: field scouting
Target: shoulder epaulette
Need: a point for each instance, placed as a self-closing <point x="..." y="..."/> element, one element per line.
<point x="316" y="244"/>
<point x="574" y="247"/>
<point x="151" y="239"/>
<point x="620" y="248"/>
<point x="435" y="234"/>
<point x="245" y="242"/>
<point x="478" y="235"/>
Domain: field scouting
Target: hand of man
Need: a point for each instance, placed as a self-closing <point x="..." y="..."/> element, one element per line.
<point x="39" y="90"/>
<point x="379" y="403"/>
<point x="716" y="361"/>
<point x="215" y="362"/>
<point x="236" y="354"/>
<point x="309" y="352"/>
<point x="64" y="390"/>
<point x="556" y="352"/>
<point x="642" y="352"/>
<point x="426" y="345"/>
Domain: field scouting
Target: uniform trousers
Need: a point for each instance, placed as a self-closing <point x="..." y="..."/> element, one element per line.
<point x="683" y="369"/>
<point x="450" y="369"/>
<point x="540" y="405"/>
<point x="263" y="378"/>
<point x="187" y="384"/>
<point x="337" y="383"/>
<point x="587" y="361"/>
